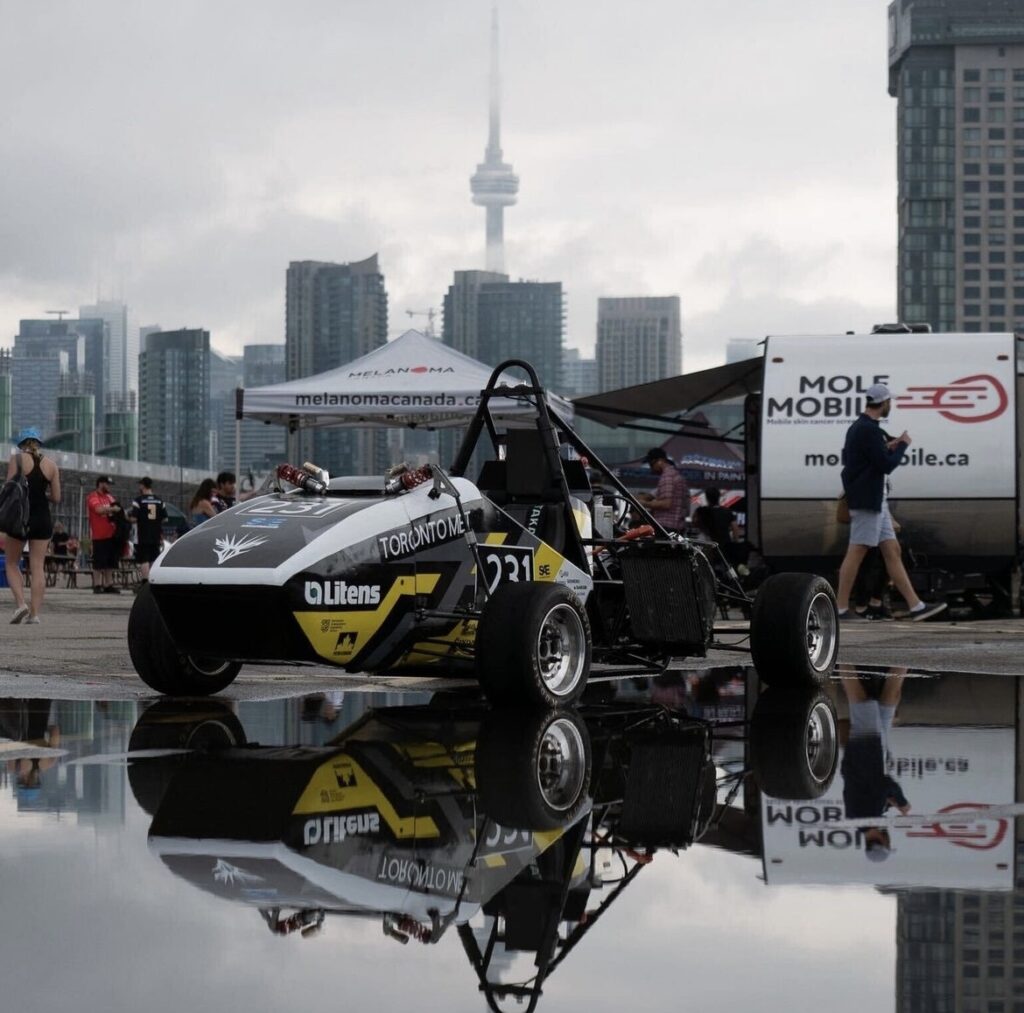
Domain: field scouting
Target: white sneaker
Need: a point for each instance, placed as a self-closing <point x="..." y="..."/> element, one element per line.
<point x="19" y="614"/>
<point x="32" y="621"/>
<point x="928" y="610"/>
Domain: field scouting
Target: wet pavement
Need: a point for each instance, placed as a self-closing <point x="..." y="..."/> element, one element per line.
<point x="673" y="843"/>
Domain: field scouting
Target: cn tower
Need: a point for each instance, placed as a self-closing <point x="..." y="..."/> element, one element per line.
<point x="494" y="185"/>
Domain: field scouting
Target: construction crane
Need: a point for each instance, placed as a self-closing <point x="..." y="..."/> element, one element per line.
<point x="430" y="315"/>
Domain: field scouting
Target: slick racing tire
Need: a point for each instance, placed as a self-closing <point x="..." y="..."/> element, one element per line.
<point x="794" y="630"/>
<point x="160" y="664"/>
<point x="794" y="744"/>
<point x="198" y="726"/>
<point x="533" y="646"/>
<point x="533" y="768"/>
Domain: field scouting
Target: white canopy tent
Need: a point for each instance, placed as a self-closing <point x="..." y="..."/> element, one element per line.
<point x="412" y="381"/>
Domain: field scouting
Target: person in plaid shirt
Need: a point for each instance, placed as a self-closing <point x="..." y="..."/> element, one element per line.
<point x="670" y="504"/>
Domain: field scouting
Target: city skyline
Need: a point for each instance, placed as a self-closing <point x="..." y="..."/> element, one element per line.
<point x="747" y="199"/>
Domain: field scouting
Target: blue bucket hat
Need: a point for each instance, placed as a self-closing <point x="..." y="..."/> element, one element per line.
<point x="28" y="433"/>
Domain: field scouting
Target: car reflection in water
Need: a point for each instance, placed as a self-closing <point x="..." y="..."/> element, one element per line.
<point x="515" y="830"/>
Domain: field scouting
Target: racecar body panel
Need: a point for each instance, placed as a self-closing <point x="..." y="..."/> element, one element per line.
<point x="350" y="579"/>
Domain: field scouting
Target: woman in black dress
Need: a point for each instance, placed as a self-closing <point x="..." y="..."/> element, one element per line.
<point x="43" y="489"/>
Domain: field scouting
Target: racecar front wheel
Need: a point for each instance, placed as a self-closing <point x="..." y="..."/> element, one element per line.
<point x="160" y="664"/>
<point x="533" y="768"/>
<point x="533" y="645"/>
<point x="794" y="630"/>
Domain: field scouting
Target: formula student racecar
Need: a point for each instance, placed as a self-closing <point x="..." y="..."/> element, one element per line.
<point x="526" y="577"/>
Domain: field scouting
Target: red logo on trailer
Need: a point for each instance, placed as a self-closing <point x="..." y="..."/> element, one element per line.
<point x="969" y="399"/>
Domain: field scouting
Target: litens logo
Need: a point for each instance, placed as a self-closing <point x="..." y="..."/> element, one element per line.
<point x="969" y="399"/>
<point x="230" y="546"/>
<point x="337" y="592"/>
<point x="334" y="829"/>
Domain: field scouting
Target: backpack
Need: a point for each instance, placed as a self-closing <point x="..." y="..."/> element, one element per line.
<point x="14" y="505"/>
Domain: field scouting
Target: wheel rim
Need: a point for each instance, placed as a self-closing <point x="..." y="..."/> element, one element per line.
<point x="561" y="650"/>
<point x="561" y="764"/>
<point x="821" y="742"/>
<point x="209" y="667"/>
<point x="821" y="632"/>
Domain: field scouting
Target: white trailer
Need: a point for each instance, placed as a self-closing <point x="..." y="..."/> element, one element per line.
<point x="957" y="492"/>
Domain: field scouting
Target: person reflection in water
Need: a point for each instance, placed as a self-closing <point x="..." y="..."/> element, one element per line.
<point x="868" y="789"/>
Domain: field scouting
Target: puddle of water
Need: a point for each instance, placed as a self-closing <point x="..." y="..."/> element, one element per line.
<point x="253" y="855"/>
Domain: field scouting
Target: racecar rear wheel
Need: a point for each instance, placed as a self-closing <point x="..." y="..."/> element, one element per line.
<point x="794" y="743"/>
<point x="159" y="662"/>
<point x="794" y="630"/>
<point x="533" y="768"/>
<point x="533" y="645"/>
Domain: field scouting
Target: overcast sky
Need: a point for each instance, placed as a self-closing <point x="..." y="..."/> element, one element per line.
<point x="740" y="155"/>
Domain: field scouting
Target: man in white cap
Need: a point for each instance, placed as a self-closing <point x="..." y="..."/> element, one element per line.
<point x="868" y="458"/>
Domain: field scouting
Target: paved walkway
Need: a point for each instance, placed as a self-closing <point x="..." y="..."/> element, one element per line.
<point x="80" y="649"/>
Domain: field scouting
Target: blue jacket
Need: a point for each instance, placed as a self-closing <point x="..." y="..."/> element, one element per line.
<point x="866" y="462"/>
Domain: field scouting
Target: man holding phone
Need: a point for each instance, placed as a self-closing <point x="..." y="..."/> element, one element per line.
<point x="868" y="459"/>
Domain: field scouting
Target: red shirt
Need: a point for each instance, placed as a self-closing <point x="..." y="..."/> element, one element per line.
<point x="100" y="525"/>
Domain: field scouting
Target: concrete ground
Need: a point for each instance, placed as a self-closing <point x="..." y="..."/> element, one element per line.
<point x="80" y="650"/>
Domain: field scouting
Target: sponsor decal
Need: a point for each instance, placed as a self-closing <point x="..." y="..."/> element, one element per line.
<point x="401" y="371"/>
<point x="346" y="643"/>
<point x="338" y="592"/>
<point x="823" y="397"/>
<point x="421" y="535"/>
<point x="978" y="398"/>
<point x="230" y="546"/>
<point x="969" y="399"/>
<point x="334" y="829"/>
<point x="225" y="872"/>
<point x="978" y="834"/>
<point x="419" y="875"/>
<point x="263" y="522"/>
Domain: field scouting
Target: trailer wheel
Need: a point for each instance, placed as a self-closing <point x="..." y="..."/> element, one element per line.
<point x="533" y="646"/>
<point x="160" y="664"/>
<point x="169" y="724"/>
<point x="794" y="630"/>
<point x="533" y="768"/>
<point x="794" y="744"/>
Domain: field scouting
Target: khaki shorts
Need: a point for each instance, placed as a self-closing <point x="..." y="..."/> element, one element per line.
<point x="871" y="527"/>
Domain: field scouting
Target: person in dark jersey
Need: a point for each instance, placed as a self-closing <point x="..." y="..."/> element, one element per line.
<point x="148" y="514"/>
<point x="43" y="489"/>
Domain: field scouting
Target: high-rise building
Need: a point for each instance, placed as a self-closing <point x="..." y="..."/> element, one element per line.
<point x="956" y="69"/>
<point x="262" y="445"/>
<point x="579" y="375"/>
<point x="71" y="346"/>
<point x="459" y="327"/>
<point x="335" y="313"/>
<point x="494" y="185"/>
<point x="639" y="339"/>
<point x="491" y="318"/>
<point x="226" y="376"/>
<point x="174" y="398"/>
<point x="121" y="368"/>
<point x="6" y="400"/>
